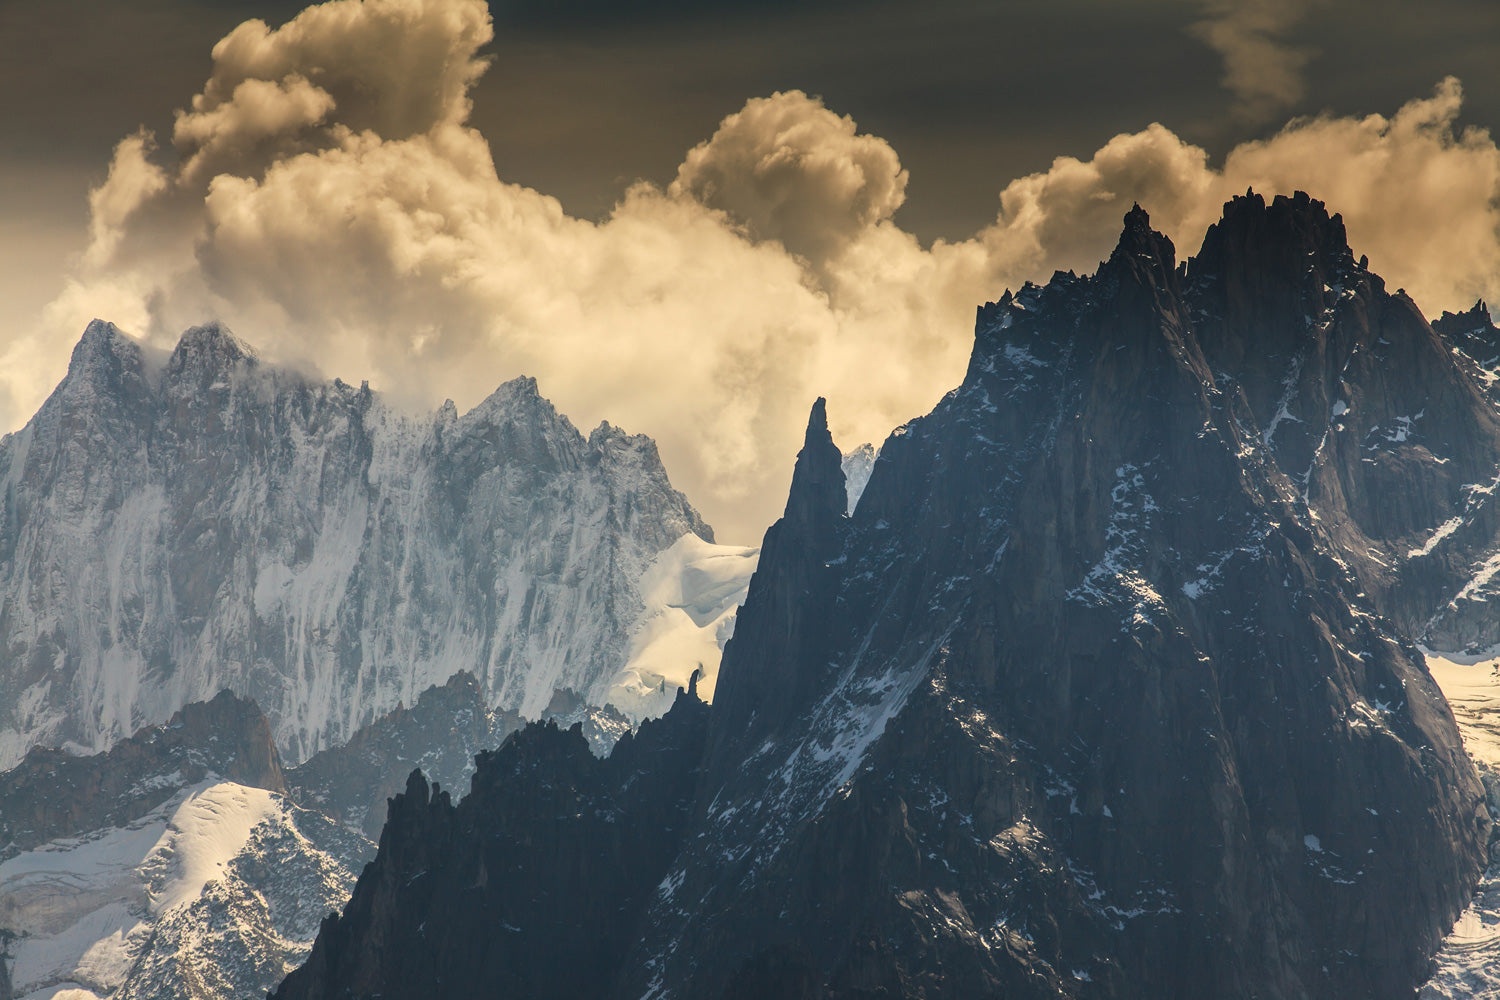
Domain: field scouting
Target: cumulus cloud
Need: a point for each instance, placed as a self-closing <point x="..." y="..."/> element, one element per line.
<point x="328" y="200"/>
<point x="790" y="173"/>
<point x="1420" y="196"/>
<point x="1260" y="68"/>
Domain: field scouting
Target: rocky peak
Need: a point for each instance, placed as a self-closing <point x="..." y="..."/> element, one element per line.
<point x="817" y="500"/>
<point x="54" y="794"/>
<point x="1081" y="701"/>
<point x="1476" y="318"/>
<point x="1473" y="332"/>
<point x="208" y="355"/>
<point x="792" y="601"/>
<point x="1143" y="252"/>
<point x="1294" y="238"/>
<point x="1264" y="271"/>
<point x="440" y="735"/>
<point x="243" y="750"/>
<point x="102" y="348"/>
<point x="106" y="372"/>
<point x="509" y="401"/>
<point x="553" y="852"/>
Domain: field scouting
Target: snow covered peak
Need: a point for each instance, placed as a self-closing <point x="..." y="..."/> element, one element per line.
<point x="237" y="525"/>
<point x="518" y="396"/>
<point x="102" y="342"/>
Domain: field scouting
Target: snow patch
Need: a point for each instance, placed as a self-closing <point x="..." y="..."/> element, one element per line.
<point x="1468" y="965"/>
<point x="206" y="833"/>
<point x="857" y="464"/>
<point x="1445" y="529"/>
<point x="692" y="591"/>
<point x="101" y="911"/>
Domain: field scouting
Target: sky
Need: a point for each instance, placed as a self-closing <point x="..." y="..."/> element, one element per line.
<point x="692" y="219"/>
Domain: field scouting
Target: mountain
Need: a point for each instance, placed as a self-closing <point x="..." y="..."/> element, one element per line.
<point x="1475" y="340"/>
<point x="441" y="735"/>
<point x="171" y="526"/>
<point x="1105" y="688"/>
<point x="54" y="794"/>
<point x="170" y="867"/>
<point x="532" y="885"/>
<point x="260" y="853"/>
<point x="1378" y="422"/>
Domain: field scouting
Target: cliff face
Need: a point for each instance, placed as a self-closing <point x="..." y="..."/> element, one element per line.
<point x="532" y="885"/>
<point x="1102" y="689"/>
<point x="1092" y="683"/>
<point x="1380" y="421"/>
<point x="171" y="527"/>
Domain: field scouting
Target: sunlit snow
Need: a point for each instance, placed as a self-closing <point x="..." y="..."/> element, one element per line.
<point x="692" y="591"/>
<point x="1469" y="963"/>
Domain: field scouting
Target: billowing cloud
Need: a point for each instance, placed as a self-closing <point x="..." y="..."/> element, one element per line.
<point x="1260" y="68"/>
<point x="328" y="200"/>
<point x="790" y="171"/>
<point x="1419" y="196"/>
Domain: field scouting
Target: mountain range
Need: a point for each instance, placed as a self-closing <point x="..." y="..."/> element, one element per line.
<point x="1106" y="687"/>
<point x="173" y="526"/>
<point x="1101" y="680"/>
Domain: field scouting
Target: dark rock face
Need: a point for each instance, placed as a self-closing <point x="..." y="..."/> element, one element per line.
<point x="1382" y="429"/>
<point x="1089" y="697"/>
<point x="1474" y="336"/>
<point x="532" y="886"/>
<point x="603" y="725"/>
<point x="54" y="794"/>
<point x="1092" y="689"/>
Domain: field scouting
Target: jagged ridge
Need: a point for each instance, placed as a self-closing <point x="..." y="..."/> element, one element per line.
<point x="532" y="885"/>
<point x="168" y="530"/>
<point x="1089" y="696"/>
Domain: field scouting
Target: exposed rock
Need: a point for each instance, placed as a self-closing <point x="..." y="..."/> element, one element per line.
<point x="1088" y="698"/>
<point x="1473" y="334"/>
<point x="602" y="726"/>
<point x="55" y="794"/>
<point x="170" y="867"/>
<point x="531" y="886"/>
<point x="441" y="735"/>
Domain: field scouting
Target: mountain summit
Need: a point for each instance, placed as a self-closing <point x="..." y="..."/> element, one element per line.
<point x="168" y="529"/>
<point x="1088" y="697"/>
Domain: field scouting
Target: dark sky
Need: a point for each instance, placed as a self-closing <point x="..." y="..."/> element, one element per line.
<point x="587" y="95"/>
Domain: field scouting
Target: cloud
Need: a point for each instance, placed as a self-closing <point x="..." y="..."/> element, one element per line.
<point x="1260" y="68"/>
<point x="791" y="171"/>
<point x="1421" y="197"/>
<point x="328" y="200"/>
